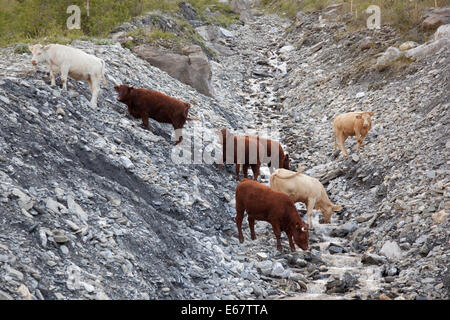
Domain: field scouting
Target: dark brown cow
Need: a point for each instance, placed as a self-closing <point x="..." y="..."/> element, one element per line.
<point x="283" y="159"/>
<point x="263" y="203"/>
<point x="145" y="103"/>
<point x="266" y="151"/>
<point x="248" y="155"/>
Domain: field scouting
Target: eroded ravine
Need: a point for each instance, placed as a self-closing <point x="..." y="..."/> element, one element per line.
<point x="263" y="60"/>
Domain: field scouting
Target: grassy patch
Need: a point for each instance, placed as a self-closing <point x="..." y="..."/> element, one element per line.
<point x="31" y="20"/>
<point x="287" y="8"/>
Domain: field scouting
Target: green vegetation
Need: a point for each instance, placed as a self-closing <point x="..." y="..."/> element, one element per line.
<point x="400" y="14"/>
<point x="30" y="21"/>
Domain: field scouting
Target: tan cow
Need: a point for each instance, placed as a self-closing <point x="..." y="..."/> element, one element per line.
<point x="351" y="124"/>
<point x="303" y="188"/>
<point x="71" y="62"/>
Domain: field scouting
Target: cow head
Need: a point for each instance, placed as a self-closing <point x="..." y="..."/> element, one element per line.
<point x="301" y="234"/>
<point x="123" y="92"/>
<point x="365" y="117"/>
<point x="328" y="212"/>
<point x="39" y="54"/>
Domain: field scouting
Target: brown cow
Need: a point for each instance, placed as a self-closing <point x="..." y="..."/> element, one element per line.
<point x="279" y="158"/>
<point x="283" y="159"/>
<point x="145" y="103"/>
<point x="246" y="151"/>
<point x="351" y="124"/>
<point x="263" y="203"/>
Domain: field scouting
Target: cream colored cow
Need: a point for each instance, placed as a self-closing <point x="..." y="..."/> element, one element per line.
<point x="303" y="188"/>
<point x="71" y="62"/>
<point x="351" y="124"/>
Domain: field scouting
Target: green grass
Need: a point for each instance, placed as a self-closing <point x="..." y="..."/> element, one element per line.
<point x="400" y="14"/>
<point x="30" y="21"/>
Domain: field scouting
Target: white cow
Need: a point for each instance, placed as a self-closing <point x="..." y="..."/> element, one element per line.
<point x="73" y="62"/>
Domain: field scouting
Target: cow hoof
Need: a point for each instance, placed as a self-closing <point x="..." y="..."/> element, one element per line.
<point x="241" y="240"/>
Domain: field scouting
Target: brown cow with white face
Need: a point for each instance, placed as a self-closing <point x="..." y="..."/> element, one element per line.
<point x="351" y="124"/>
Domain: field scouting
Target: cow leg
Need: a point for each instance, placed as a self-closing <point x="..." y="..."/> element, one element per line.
<point x="309" y="212"/>
<point x="255" y="169"/>
<point x="239" y="217"/>
<point x="52" y="77"/>
<point x="360" y="141"/>
<point x="277" y="230"/>
<point x="94" y="85"/>
<point x="251" y="224"/>
<point x="341" y="139"/>
<point x="291" y="242"/>
<point x="335" y="143"/>
<point x="64" y="73"/>
<point x="144" y="118"/>
<point x="90" y="84"/>
<point x="238" y="168"/>
<point x="245" y="170"/>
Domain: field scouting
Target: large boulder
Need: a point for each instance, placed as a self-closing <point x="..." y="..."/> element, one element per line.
<point x="437" y="18"/>
<point x="243" y="7"/>
<point x="191" y="68"/>
<point x="389" y="56"/>
<point x="427" y="49"/>
<point x="442" y="32"/>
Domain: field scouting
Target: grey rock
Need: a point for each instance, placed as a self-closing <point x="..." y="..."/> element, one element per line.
<point x="277" y="270"/>
<point x="192" y="68"/>
<point x="391" y="250"/>
<point x="373" y="259"/>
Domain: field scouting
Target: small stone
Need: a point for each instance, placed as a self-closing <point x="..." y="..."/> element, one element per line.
<point x="52" y="206"/>
<point x="17" y="275"/>
<point x="75" y="208"/>
<point x="262" y="255"/>
<point x="355" y="157"/>
<point x="391" y="250"/>
<point x="5" y="296"/>
<point x="277" y="270"/>
<point x="441" y="216"/>
<point x="59" y="236"/>
<point x="126" y="162"/>
<point x="64" y="250"/>
<point x="369" y="258"/>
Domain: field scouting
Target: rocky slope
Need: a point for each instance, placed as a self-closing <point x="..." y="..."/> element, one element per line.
<point x="94" y="207"/>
